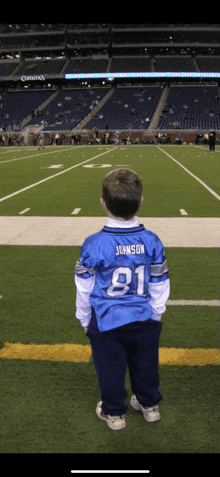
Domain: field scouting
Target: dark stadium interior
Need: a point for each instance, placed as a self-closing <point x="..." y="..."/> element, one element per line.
<point x="34" y="59"/>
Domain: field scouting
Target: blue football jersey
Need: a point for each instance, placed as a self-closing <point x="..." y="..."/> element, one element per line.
<point x="124" y="261"/>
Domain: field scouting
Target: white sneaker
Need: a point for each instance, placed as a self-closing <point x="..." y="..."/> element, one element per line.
<point x="151" y="414"/>
<point x="116" y="423"/>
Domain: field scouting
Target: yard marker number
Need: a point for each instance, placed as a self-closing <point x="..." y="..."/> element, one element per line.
<point x="50" y="177"/>
<point x="54" y="166"/>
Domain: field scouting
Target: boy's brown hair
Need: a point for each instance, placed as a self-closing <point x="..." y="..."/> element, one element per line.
<point x="122" y="192"/>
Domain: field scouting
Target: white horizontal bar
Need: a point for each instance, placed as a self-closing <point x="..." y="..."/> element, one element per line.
<point x="193" y="302"/>
<point x="173" y="231"/>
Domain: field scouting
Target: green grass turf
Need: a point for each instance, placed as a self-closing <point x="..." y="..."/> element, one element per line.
<point x="199" y="160"/>
<point x="38" y="304"/>
<point x="50" y="408"/>
<point x="167" y="188"/>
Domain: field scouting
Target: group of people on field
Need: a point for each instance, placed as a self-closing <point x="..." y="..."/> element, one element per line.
<point x="207" y="139"/>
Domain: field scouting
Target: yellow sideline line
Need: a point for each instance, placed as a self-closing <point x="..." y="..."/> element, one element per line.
<point x="82" y="353"/>
<point x="60" y="352"/>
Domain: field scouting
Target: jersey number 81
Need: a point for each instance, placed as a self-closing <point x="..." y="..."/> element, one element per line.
<point x="113" y="289"/>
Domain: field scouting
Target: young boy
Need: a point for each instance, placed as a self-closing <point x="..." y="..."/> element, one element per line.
<point x="122" y="287"/>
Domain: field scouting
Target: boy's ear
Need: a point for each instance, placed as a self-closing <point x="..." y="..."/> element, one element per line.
<point x="103" y="205"/>
<point x="142" y="199"/>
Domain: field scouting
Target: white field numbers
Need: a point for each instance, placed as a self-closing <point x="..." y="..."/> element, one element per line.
<point x="118" y="288"/>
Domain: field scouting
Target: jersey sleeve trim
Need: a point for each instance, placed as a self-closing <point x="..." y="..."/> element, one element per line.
<point x="80" y="269"/>
<point x="158" y="269"/>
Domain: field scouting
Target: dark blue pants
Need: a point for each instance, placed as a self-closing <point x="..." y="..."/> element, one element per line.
<point x="134" y="347"/>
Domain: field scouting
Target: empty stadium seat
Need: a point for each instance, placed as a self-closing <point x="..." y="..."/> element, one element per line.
<point x="191" y="107"/>
<point x="16" y="106"/>
<point x="68" y="109"/>
<point x="127" y="108"/>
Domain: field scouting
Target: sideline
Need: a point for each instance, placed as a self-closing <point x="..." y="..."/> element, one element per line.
<point x="204" y="148"/>
<point x="191" y="174"/>
<point x="82" y="353"/>
<point x="72" y="231"/>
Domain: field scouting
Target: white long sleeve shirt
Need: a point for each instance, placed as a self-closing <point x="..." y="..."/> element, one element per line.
<point x="151" y="293"/>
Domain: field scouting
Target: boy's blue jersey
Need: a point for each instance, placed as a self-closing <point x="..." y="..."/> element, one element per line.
<point x="124" y="261"/>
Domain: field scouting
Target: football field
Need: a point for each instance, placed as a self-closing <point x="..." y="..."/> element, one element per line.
<point x="49" y="203"/>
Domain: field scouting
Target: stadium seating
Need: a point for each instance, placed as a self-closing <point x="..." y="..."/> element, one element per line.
<point x="52" y="66"/>
<point x="6" y="68"/>
<point x="16" y="106"/>
<point x="68" y="108"/>
<point x="41" y="67"/>
<point x="87" y="65"/>
<point x="131" y="64"/>
<point x="127" y="108"/>
<point x="187" y="107"/>
<point x="191" y="107"/>
<point x="208" y="63"/>
<point x="174" y="63"/>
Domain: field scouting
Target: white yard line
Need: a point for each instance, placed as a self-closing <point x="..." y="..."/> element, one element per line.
<point x="191" y="174"/>
<point x="72" y="230"/>
<point x="206" y="149"/>
<point x="75" y="211"/>
<point x="9" y="150"/>
<point x="24" y="211"/>
<point x="34" y="155"/>
<point x="193" y="303"/>
<point x="50" y="177"/>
